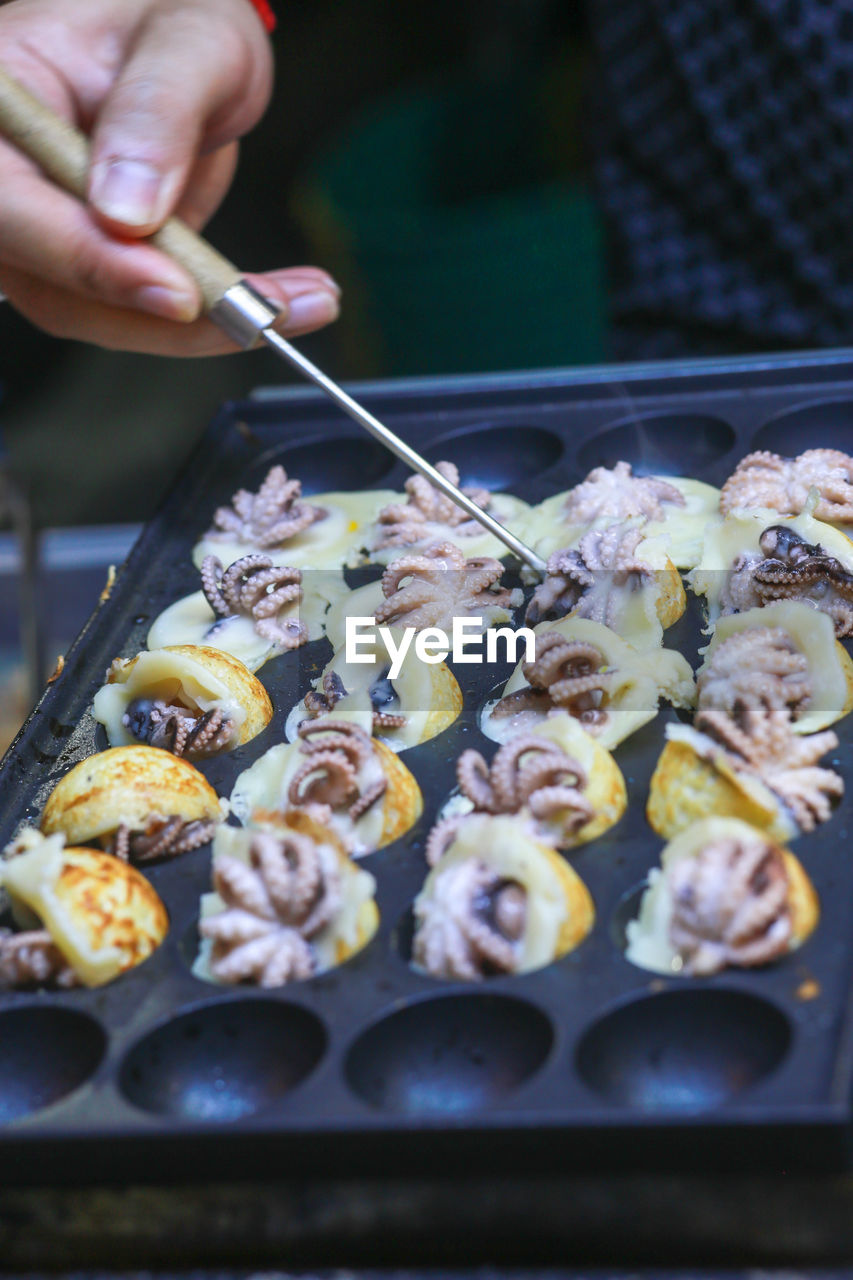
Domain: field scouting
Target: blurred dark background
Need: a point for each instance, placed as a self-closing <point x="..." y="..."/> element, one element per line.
<point x="430" y="157"/>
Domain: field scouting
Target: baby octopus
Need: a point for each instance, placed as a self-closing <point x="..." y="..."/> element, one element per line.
<point x="762" y="742"/>
<point x="177" y="729"/>
<point x="32" y="959"/>
<point x="768" y="480"/>
<point x="382" y="694"/>
<point x="274" y="906"/>
<point x="431" y="589"/>
<point x="761" y="665"/>
<point x="528" y="772"/>
<point x="619" y="495"/>
<point x="472" y="926"/>
<point x="730" y="905"/>
<point x="254" y="587"/>
<point x="586" y="580"/>
<point x="161" y="837"/>
<point x="403" y="525"/>
<point x="336" y="750"/>
<point x="788" y="567"/>
<point x="269" y="517"/>
<point x="567" y="675"/>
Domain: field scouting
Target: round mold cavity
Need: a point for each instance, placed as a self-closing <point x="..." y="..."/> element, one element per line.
<point x="223" y="1061"/>
<point x="403" y="936"/>
<point x="813" y="426"/>
<point x="344" y="462"/>
<point x="451" y="1055"/>
<point x="683" y="1051"/>
<point x="48" y="1052"/>
<point x="626" y="910"/>
<point x="498" y="457"/>
<point x="676" y="444"/>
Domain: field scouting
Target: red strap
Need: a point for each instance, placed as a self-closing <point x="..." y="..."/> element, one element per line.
<point x="265" y="13"/>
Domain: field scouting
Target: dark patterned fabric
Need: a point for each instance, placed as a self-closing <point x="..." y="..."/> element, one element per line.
<point x="725" y="171"/>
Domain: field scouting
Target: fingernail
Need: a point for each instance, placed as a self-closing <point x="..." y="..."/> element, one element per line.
<point x="169" y="304"/>
<point x="308" y="309"/>
<point x="332" y="285"/>
<point x="128" y="191"/>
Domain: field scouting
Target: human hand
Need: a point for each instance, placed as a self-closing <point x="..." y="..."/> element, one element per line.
<point x="164" y="88"/>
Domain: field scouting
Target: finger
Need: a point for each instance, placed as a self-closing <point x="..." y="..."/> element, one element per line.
<point x="196" y="77"/>
<point x="207" y="185"/>
<point x="45" y="232"/>
<point x="309" y="296"/>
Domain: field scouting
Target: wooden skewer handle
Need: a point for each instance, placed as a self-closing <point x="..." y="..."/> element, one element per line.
<point x="63" y="153"/>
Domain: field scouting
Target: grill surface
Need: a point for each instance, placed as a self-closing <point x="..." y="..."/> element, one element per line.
<point x="374" y="1067"/>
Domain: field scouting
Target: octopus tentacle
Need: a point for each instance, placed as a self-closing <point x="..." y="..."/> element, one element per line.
<point x="238" y="886"/>
<point x="432" y="588"/>
<point x="335" y="751"/>
<point x="474" y="778"/>
<point x="211" y="585"/>
<point x="269" y="517"/>
<point x="330" y="778"/>
<point x="387" y="720"/>
<point x="291" y="871"/>
<point x="368" y="798"/>
<point x="766" y="746"/>
<point x="730" y="905"/>
<point x="473" y="923"/>
<point x="31" y="958"/>
<point x="404" y="524"/>
<point x="620" y="495"/>
<point x="175" y="728"/>
<point x="274" y="905"/>
<point x="759" y="664"/>
<point x="336" y="735"/>
<point x="788" y="567"/>
<point x="528" y="771"/>
<point x="441" y="837"/>
<point x="572" y="807"/>
<point x="161" y="836"/>
<point x="764" y="479"/>
<point x="586" y="581"/>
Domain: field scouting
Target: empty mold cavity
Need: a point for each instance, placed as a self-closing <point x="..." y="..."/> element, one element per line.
<point x="345" y="462"/>
<point x="499" y="457"/>
<point x="48" y="1052"/>
<point x="222" y="1061"/>
<point x="683" y="1051"/>
<point x="676" y="444"/>
<point x="813" y="426"/>
<point x="450" y="1055"/>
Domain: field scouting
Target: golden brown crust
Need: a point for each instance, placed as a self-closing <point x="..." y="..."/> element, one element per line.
<point x="242" y="684"/>
<point x="605" y="788"/>
<point x="579" y="903"/>
<point x="607" y="794"/>
<point x="685" y="787"/>
<point x="445" y="702"/>
<point x="103" y="916"/>
<point x="402" y="803"/>
<point x="368" y="923"/>
<point x="111" y="904"/>
<point x="802" y="899"/>
<point x="672" y="600"/>
<point x="126" y="784"/>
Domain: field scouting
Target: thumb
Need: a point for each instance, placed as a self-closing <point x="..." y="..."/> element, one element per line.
<point x="196" y="77"/>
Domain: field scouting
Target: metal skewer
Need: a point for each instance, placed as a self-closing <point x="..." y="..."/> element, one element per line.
<point x="230" y="301"/>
